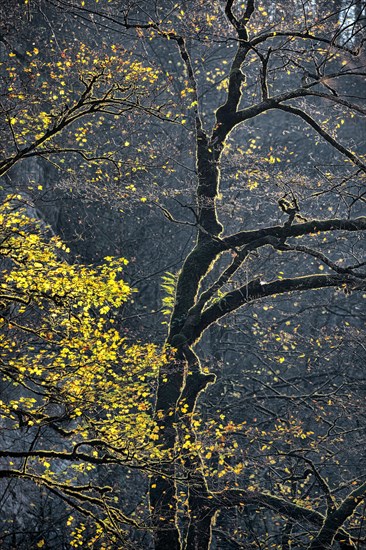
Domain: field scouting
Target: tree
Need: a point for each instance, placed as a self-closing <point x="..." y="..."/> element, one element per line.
<point x="50" y="103"/>
<point x="69" y="376"/>
<point x="258" y="62"/>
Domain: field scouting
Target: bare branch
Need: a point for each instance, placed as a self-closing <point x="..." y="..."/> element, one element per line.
<point x="305" y="35"/>
<point x="322" y="258"/>
<point x="295" y="230"/>
<point x="229" y="14"/>
<point x="336" y="519"/>
<point x="237" y="497"/>
<point x="346" y="152"/>
<point x="256" y="289"/>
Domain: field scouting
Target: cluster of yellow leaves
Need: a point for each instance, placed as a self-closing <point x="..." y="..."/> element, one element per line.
<point x="71" y="83"/>
<point x="213" y="440"/>
<point x="60" y="344"/>
<point x="89" y="534"/>
<point x="218" y="445"/>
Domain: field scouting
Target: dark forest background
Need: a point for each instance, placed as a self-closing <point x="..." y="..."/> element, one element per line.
<point x="178" y="150"/>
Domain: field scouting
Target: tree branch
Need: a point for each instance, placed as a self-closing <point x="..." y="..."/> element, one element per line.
<point x="237" y="497"/>
<point x="304" y="35"/>
<point x="256" y="290"/>
<point x="320" y="256"/>
<point x="295" y="230"/>
<point x="324" y="134"/>
<point x="336" y="519"/>
<point x="336" y="99"/>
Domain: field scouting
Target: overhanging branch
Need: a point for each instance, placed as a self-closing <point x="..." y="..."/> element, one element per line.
<point x="256" y="289"/>
<point x="239" y="497"/>
<point x="324" y="134"/>
<point x="296" y="230"/>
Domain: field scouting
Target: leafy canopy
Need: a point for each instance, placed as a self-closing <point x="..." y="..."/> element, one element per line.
<point x="61" y="342"/>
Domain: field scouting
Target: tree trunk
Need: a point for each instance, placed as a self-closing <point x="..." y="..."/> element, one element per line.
<point x="163" y="502"/>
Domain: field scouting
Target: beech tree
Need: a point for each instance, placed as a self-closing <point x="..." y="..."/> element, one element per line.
<point x="82" y="385"/>
<point x="237" y="65"/>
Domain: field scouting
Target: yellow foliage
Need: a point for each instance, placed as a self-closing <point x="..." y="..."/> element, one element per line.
<point x="70" y="96"/>
<point x="60" y="344"/>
